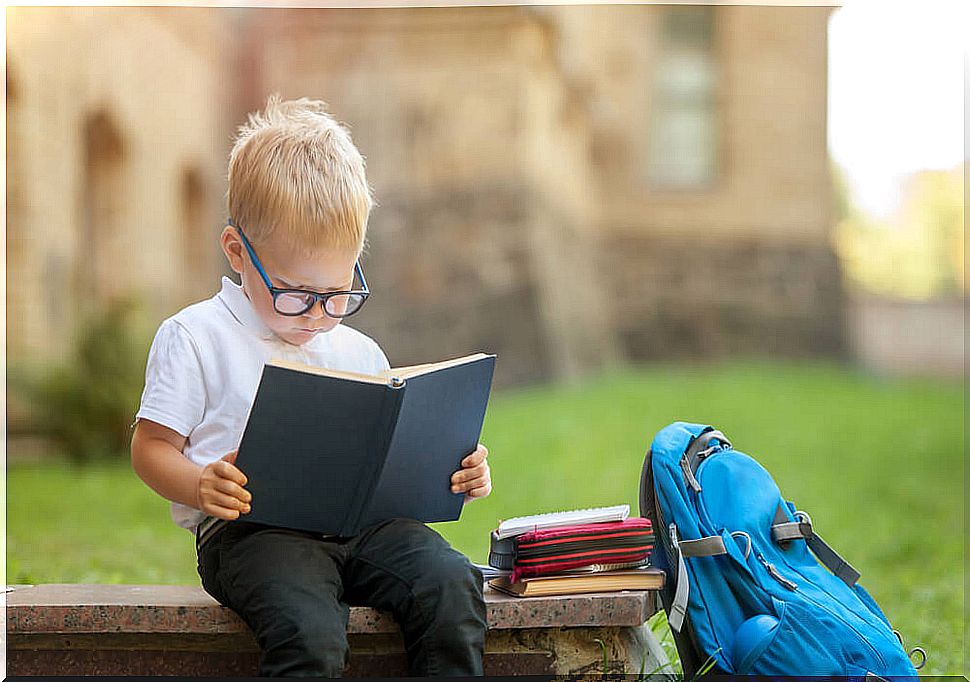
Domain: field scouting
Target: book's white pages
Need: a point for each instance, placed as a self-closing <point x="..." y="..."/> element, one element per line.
<point x="523" y="524"/>
<point x="394" y="376"/>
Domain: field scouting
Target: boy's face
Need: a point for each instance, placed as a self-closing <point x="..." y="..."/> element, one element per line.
<point x="289" y="268"/>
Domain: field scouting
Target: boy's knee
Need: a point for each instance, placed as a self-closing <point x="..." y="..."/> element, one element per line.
<point x="455" y="587"/>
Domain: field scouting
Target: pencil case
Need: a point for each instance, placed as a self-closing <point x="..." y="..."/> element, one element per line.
<point x="545" y="551"/>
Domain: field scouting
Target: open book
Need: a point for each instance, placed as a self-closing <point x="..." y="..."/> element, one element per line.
<point x="332" y="452"/>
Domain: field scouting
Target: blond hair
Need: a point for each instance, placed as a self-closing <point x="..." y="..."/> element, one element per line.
<point x="295" y="171"/>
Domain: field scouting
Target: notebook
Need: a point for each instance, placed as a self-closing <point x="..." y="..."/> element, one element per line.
<point x="523" y="524"/>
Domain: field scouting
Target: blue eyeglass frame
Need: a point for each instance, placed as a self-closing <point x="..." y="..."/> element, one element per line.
<point x="315" y="296"/>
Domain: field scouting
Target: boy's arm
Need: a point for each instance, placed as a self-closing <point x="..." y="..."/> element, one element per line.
<point x="156" y="456"/>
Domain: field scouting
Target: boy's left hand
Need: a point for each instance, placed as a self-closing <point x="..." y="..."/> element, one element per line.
<point x="474" y="478"/>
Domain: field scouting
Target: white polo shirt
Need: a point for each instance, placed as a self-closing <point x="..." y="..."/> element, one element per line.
<point x="205" y="364"/>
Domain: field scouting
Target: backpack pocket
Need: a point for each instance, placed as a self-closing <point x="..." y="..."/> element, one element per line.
<point x="797" y="645"/>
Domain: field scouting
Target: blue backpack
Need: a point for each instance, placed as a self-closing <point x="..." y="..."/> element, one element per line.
<point x="744" y="593"/>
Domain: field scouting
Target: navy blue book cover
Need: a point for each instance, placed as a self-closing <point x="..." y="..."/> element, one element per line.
<point x="332" y="455"/>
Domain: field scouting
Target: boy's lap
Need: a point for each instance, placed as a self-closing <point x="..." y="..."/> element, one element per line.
<point x="383" y="566"/>
<point x="273" y="565"/>
<point x="402" y="555"/>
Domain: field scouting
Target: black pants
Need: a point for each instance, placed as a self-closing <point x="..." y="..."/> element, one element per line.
<point x="293" y="590"/>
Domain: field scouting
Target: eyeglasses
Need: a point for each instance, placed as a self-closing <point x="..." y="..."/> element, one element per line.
<point x="294" y="302"/>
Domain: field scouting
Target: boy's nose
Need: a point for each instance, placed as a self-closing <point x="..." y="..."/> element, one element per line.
<point x="317" y="311"/>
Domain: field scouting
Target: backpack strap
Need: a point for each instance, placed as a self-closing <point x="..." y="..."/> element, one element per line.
<point x="784" y="531"/>
<point x="711" y="545"/>
<point x="699" y="448"/>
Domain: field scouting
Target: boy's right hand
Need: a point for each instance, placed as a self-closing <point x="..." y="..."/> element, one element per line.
<point x="221" y="492"/>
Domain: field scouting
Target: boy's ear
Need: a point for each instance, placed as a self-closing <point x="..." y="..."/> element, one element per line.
<point x="233" y="247"/>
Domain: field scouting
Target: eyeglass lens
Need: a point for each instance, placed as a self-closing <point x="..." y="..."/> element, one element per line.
<point x="341" y="305"/>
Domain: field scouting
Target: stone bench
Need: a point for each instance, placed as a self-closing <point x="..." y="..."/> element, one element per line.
<point x="176" y="630"/>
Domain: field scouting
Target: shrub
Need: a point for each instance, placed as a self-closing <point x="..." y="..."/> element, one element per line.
<point x="86" y="405"/>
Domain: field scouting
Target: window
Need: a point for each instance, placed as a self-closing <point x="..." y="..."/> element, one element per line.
<point x="683" y="133"/>
<point x="103" y="191"/>
<point x="196" y="236"/>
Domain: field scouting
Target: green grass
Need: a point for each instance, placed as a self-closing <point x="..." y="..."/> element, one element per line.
<point x="877" y="463"/>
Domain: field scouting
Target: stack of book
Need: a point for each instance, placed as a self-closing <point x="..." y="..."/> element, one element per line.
<point x="573" y="552"/>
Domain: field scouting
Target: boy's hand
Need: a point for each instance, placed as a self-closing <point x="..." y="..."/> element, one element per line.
<point x="474" y="478"/>
<point x="221" y="492"/>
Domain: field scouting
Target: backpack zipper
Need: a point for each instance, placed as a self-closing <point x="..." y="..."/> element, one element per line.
<point x="776" y="574"/>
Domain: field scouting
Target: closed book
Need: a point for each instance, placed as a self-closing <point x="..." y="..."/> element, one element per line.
<point x="581" y="582"/>
<point x="332" y="452"/>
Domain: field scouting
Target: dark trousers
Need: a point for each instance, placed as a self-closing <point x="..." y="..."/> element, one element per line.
<point x="293" y="589"/>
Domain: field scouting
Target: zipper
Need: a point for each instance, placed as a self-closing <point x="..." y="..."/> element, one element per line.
<point x="776" y="574"/>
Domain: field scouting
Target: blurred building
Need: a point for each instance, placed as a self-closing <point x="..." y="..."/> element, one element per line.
<point x="117" y="121"/>
<point x="564" y="186"/>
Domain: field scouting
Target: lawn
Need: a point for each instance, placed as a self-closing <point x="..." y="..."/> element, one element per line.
<point x="878" y="464"/>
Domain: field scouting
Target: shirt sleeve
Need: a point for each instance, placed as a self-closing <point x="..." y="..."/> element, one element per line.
<point x="380" y="359"/>
<point x="174" y="394"/>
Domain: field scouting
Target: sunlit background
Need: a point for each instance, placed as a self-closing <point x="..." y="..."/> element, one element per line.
<point x="751" y="216"/>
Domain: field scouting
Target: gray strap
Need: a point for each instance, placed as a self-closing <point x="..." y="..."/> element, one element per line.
<point x="828" y="556"/>
<point x="708" y="546"/>
<point x="791" y="530"/>
<point x="785" y="531"/>
<point x="689" y="478"/>
<point x="702" y="443"/>
<point x="699" y="448"/>
<point x="678" y="608"/>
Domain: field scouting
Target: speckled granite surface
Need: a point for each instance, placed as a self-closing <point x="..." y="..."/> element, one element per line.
<point x="189" y="610"/>
<point x="177" y="630"/>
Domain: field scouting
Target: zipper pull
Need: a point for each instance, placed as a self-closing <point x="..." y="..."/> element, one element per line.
<point x="776" y="574"/>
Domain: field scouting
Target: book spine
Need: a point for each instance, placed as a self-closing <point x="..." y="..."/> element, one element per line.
<point x="390" y="409"/>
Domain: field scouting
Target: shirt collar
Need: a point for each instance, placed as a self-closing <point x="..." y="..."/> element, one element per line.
<point x="235" y="299"/>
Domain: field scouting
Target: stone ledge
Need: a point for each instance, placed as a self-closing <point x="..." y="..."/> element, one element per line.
<point x="180" y="630"/>
<point x="76" y="609"/>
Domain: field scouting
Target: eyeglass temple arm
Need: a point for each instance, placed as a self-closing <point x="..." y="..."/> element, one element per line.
<point x="262" y="273"/>
<point x="252" y="256"/>
<point x="360" y="274"/>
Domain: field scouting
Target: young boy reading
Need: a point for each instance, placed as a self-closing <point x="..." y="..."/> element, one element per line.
<point x="298" y="203"/>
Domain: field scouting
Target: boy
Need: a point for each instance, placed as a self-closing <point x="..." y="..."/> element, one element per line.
<point x="299" y="202"/>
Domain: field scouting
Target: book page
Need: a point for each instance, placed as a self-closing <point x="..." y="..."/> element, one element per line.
<point x="323" y="371"/>
<point x="385" y="377"/>
<point x="416" y="370"/>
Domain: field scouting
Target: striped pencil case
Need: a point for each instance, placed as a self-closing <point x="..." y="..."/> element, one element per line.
<point x="613" y="544"/>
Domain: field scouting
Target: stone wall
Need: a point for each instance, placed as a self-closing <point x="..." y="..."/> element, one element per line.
<point x="894" y="336"/>
<point x="676" y="297"/>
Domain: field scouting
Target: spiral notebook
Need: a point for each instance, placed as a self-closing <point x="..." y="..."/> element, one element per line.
<point x="523" y="524"/>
